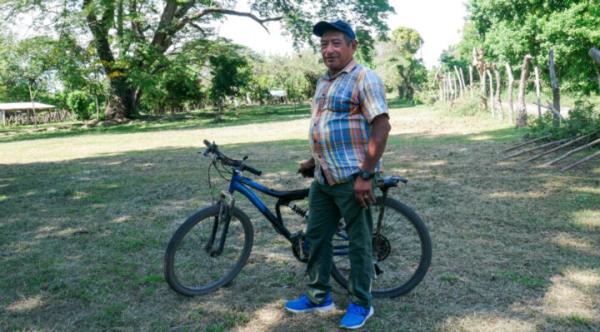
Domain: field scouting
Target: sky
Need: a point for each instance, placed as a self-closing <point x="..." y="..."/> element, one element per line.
<point x="438" y="21"/>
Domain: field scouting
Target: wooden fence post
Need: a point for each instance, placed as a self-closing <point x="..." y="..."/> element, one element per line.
<point x="461" y="85"/>
<point x="471" y="80"/>
<point x="498" y="85"/>
<point x="510" y="84"/>
<point x="491" y="98"/>
<point x="479" y="62"/>
<point x="537" y="90"/>
<point x="454" y="88"/>
<point x="555" y="89"/>
<point x="595" y="54"/>
<point x="521" y="106"/>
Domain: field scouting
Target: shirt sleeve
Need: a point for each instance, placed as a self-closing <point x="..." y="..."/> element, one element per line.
<point x="372" y="96"/>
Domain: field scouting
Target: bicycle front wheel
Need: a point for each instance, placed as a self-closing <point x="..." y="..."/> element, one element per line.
<point x="192" y="267"/>
<point x="401" y="251"/>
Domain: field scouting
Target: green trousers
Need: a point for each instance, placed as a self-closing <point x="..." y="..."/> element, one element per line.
<point x="327" y="205"/>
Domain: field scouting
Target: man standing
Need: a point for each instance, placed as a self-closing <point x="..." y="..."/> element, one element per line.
<point x="348" y="132"/>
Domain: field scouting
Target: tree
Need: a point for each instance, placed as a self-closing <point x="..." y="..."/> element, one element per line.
<point x="132" y="36"/>
<point x="510" y="30"/>
<point x="399" y="66"/>
<point x="230" y="72"/>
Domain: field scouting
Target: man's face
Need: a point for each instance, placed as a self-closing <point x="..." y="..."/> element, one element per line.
<point x="336" y="52"/>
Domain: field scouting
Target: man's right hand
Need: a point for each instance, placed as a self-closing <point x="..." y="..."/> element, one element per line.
<point x="307" y="168"/>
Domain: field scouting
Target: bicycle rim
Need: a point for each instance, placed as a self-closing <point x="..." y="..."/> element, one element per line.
<point x="402" y="253"/>
<point x="191" y="269"/>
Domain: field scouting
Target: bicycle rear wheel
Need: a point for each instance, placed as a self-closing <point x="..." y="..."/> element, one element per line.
<point x="402" y="251"/>
<point x="191" y="267"/>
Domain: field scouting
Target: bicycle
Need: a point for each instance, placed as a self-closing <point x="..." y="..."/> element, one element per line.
<point x="212" y="246"/>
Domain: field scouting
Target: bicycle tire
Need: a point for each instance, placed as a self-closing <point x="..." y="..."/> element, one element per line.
<point x="187" y="277"/>
<point x="409" y="244"/>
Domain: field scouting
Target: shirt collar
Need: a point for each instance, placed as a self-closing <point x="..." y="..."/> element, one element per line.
<point x="346" y="70"/>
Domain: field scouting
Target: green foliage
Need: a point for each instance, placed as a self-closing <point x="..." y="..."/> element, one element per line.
<point x="80" y="103"/>
<point x="400" y="69"/>
<point x="508" y="30"/>
<point x="230" y="71"/>
<point x="132" y="40"/>
<point x="465" y="106"/>
<point x="583" y="120"/>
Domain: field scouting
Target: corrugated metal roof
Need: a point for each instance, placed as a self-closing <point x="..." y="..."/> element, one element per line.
<point x="23" y="106"/>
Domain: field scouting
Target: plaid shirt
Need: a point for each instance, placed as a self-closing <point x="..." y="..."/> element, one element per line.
<point x="342" y="110"/>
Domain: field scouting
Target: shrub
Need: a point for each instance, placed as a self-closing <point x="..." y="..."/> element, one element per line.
<point x="78" y="103"/>
<point x="582" y="120"/>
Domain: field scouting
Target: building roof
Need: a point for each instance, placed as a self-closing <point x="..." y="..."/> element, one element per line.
<point x="24" y="106"/>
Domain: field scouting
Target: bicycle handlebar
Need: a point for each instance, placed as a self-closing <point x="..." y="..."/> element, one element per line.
<point x="239" y="164"/>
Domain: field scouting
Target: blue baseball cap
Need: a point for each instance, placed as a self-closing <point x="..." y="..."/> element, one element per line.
<point x="320" y="28"/>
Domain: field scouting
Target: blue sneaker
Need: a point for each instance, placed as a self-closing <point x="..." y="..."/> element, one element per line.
<point x="356" y="316"/>
<point x="303" y="304"/>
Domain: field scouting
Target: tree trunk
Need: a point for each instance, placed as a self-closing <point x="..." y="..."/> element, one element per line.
<point x="97" y="106"/>
<point x="440" y="86"/>
<point x="497" y="98"/>
<point x="521" y="107"/>
<point x="122" y="100"/>
<point x="31" y="98"/>
<point x="471" y="81"/>
<point x="462" y="78"/>
<point x="510" y="84"/>
<point x="537" y="91"/>
<point x="491" y="98"/>
<point x="555" y="89"/>
<point x="453" y="84"/>
<point x="479" y="61"/>
<point x="460" y="82"/>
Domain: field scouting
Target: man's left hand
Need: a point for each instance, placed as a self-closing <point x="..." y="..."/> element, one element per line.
<point x="363" y="191"/>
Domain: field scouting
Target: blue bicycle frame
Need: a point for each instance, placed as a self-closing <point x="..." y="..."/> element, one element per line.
<point x="242" y="184"/>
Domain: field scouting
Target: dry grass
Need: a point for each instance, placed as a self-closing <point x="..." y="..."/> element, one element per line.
<point x="84" y="222"/>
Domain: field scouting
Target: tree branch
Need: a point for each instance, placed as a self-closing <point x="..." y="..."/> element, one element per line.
<point x="210" y="11"/>
<point x="199" y="28"/>
<point x="135" y="25"/>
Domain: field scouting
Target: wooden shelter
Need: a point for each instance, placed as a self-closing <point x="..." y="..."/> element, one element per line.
<point x="26" y="111"/>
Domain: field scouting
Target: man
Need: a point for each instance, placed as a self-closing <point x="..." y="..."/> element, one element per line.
<point x="348" y="132"/>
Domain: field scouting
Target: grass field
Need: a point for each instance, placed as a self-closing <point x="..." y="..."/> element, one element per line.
<point x="85" y="217"/>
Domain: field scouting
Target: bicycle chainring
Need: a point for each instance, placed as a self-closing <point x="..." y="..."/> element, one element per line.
<point x="381" y="247"/>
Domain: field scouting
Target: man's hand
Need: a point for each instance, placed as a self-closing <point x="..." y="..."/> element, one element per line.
<point x="363" y="191"/>
<point x="307" y="168"/>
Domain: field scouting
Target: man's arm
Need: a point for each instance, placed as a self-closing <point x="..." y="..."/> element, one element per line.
<point x="380" y="129"/>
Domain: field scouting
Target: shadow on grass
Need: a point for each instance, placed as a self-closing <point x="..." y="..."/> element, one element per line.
<point x="82" y="242"/>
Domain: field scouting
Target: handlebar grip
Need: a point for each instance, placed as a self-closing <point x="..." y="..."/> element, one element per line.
<point x="252" y="170"/>
<point x="207" y="143"/>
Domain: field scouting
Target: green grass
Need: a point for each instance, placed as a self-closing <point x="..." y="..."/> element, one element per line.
<point x="84" y="223"/>
<point x="148" y="123"/>
<point x="523" y="280"/>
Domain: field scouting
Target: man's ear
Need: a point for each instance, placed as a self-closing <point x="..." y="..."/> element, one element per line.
<point x="354" y="45"/>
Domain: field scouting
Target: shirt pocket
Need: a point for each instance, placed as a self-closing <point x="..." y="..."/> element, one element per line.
<point x="342" y="104"/>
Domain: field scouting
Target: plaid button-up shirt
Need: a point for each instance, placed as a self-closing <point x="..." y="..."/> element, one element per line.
<point x="342" y="110"/>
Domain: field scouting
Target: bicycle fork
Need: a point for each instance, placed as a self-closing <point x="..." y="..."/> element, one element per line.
<point x="226" y="203"/>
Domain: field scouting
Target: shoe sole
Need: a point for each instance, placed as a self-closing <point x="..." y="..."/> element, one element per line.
<point x="371" y="312"/>
<point x="326" y="308"/>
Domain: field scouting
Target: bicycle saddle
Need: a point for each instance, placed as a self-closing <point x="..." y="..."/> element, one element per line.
<point x="390" y="181"/>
